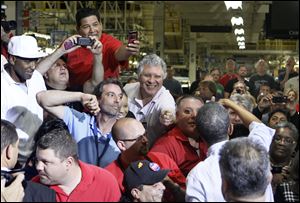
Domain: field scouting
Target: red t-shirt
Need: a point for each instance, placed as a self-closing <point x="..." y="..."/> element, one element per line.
<point x="175" y="144"/>
<point x="80" y="61"/>
<point x="226" y="77"/>
<point x="96" y="185"/>
<point x="164" y="161"/>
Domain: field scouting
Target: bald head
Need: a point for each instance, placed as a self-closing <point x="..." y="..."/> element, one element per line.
<point x="127" y="128"/>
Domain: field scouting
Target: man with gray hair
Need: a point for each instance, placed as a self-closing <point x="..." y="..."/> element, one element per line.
<point x="212" y="120"/>
<point x="245" y="170"/>
<point x="151" y="103"/>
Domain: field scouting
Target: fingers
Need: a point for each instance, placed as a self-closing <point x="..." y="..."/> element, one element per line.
<point x="167" y="117"/>
<point x="133" y="48"/>
<point x="91" y="103"/>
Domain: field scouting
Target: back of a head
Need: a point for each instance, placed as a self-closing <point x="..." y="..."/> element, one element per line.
<point x="212" y="121"/>
<point x="245" y="166"/>
<point x="242" y="100"/>
<point x="61" y="142"/>
<point x="8" y="134"/>
<point x="124" y="127"/>
<point x="152" y="60"/>
<point x="86" y="12"/>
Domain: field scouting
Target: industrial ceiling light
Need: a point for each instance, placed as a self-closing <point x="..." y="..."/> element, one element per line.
<point x="239" y="31"/>
<point x="233" y="4"/>
<point x="237" y="21"/>
<point x="240" y="39"/>
<point x="241" y="43"/>
<point x="242" y="47"/>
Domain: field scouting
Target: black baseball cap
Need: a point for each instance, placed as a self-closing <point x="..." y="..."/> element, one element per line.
<point x="143" y="172"/>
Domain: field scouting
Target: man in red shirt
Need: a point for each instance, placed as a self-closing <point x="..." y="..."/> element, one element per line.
<point x="73" y="181"/>
<point x="115" y="54"/>
<point x="183" y="142"/>
<point x="129" y="135"/>
<point x="230" y="74"/>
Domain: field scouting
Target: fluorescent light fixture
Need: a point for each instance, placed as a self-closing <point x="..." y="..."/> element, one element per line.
<point x="237" y="21"/>
<point x="242" y="47"/>
<point x="239" y="31"/>
<point x="241" y="43"/>
<point x="240" y="39"/>
<point x="233" y="4"/>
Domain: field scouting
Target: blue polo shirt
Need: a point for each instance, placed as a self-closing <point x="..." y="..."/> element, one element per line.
<point x="81" y="127"/>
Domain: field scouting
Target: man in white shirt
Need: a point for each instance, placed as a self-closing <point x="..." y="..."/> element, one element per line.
<point x="150" y="102"/>
<point x="204" y="181"/>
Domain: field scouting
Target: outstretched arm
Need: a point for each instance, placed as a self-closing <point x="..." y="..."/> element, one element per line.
<point x="47" y="62"/>
<point x="246" y="116"/>
<point x="98" y="70"/>
<point x="53" y="100"/>
<point x="124" y="52"/>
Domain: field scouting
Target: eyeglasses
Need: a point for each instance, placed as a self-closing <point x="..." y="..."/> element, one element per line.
<point x="285" y="140"/>
<point x="134" y="139"/>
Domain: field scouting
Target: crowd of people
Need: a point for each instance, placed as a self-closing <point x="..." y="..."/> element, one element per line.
<point x="71" y="131"/>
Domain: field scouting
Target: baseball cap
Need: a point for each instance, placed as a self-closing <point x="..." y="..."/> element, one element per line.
<point x="25" y="47"/>
<point x="143" y="172"/>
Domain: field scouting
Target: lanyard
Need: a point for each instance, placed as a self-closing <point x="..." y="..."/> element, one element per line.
<point x="102" y="140"/>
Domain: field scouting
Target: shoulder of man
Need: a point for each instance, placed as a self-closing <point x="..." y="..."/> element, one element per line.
<point x="35" y="192"/>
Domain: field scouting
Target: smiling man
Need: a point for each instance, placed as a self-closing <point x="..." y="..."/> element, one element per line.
<point x="115" y="54"/>
<point x="149" y="101"/>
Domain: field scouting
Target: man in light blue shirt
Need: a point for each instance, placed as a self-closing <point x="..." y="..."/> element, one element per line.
<point x="91" y="132"/>
<point x="204" y="180"/>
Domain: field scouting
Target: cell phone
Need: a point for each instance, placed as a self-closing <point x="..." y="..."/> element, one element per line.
<point x="85" y="41"/>
<point x="276" y="169"/>
<point x="279" y="99"/>
<point x="132" y="35"/>
<point x="68" y="45"/>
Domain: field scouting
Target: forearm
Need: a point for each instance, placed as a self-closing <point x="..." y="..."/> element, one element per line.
<point x="97" y="75"/>
<point x="286" y="77"/>
<point x="122" y="54"/>
<point x="53" y="98"/>
<point x="246" y="116"/>
<point x="46" y="63"/>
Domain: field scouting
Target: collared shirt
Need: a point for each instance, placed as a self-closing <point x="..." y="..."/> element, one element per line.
<point x="14" y="94"/>
<point x="81" y="127"/>
<point x="164" y="161"/>
<point x="204" y="181"/>
<point x="150" y="113"/>
<point x="80" y="61"/>
<point x="175" y="144"/>
<point x="96" y="185"/>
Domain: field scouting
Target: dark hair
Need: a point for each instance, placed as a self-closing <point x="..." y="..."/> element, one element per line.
<point x="61" y="142"/>
<point x="8" y="134"/>
<point x="245" y="165"/>
<point x="212" y="122"/>
<point x="99" y="88"/>
<point x="293" y="130"/>
<point x="86" y="12"/>
<point x="283" y="111"/>
<point x="49" y="124"/>
<point x="210" y="84"/>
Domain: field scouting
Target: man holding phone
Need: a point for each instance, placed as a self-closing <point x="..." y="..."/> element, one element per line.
<point x="115" y="54"/>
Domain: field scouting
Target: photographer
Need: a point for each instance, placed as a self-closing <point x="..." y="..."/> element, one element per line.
<point x="115" y="54"/>
<point x="12" y="187"/>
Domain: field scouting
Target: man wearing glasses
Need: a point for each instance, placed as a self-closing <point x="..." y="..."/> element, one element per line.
<point x="130" y="137"/>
